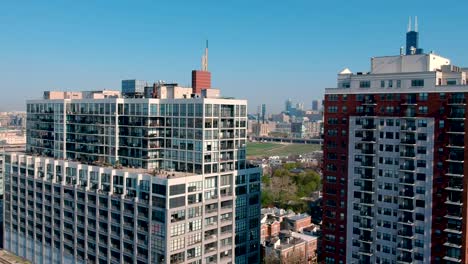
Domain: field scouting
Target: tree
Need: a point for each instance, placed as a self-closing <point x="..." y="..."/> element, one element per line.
<point x="297" y="256"/>
<point x="271" y="258"/>
<point x="267" y="198"/>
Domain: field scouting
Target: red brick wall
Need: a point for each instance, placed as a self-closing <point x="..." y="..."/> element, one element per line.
<point x="200" y="80"/>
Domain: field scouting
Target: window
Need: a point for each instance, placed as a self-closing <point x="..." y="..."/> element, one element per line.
<point x="177" y="189"/>
<point x="422" y="109"/>
<point x="421" y="150"/>
<point x="398" y="83"/>
<point x="194" y="212"/>
<point x="178" y="215"/>
<point x="422" y="136"/>
<point x="194" y="225"/>
<point x="441" y="123"/>
<point x="451" y="81"/>
<point x="177" y="202"/>
<point x="345" y="85"/>
<point x="421" y="164"/>
<point x="417" y="83"/>
<point x="177" y="230"/>
<point x="422" y="123"/>
<point x="177" y="244"/>
<point x="195" y="186"/>
<point x="390" y="83"/>
<point x="211" y="182"/>
<point x="364" y="84"/>
<point x="332" y="109"/>
<point x="382" y="84"/>
<point x="423" y="97"/>
<point x="193" y="239"/>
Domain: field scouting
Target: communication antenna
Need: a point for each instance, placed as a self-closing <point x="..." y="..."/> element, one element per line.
<point x="416" y="24"/>
<point x="409" y="24"/>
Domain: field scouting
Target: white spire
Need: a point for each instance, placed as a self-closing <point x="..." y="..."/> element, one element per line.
<point x="205" y="58"/>
<point x="409" y="24"/>
<point x="416" y="24"/>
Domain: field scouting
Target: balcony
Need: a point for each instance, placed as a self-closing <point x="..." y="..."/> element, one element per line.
<point x="407" y="233"/>
<point x="453" y="201"/>
<point x="366" y="249"/>
<point x="406" y="220"/>
<point x="405" y="259"/>
<point x="410" y="101"/>
<point x="453" y="259"/>
<point x="408" y="141"/>
<point x="406" y="207"/>
<point x="369" y="126"/>
<point x="408" y="128"/>
<point x="454" y="242"/>
<point x="368" y="163"/>
<point x="456" y="101"/>
<point x="455" y="185"/>
<point x="407" y="180"/>
<point x="456" y="157"/>
<point x="456" y="115"/>
<point x="369" y="202"/>
<point x="365" y="239"/>
<point x="408" y="154"/>
<point x="370" y="139"/>
<point x="405" y="246"/>
<point x="367" y="188"/>
<point x="407" y="167"/>
<point x="366" y="213"/>
<point x="407" y="194"/>
<point x="366" y="226"/>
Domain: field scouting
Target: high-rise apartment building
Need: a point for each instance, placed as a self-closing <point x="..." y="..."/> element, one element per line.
<point x="133" y="180"/>
<point x="394" y="186"/>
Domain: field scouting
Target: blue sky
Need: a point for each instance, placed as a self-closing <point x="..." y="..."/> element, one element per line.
<point x="264" y="51"/>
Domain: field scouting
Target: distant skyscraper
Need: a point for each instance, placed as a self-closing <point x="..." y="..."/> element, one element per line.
<point x="288" y="105"/>
<point x="201" y="79"/>
<point x="315" y="105"/>
<point x="300" y="106"/>
<point x="263" y="113"/>
<point x="395" y="163"/>
<point x="133" y="87"/>
<point x="412" y="39"/>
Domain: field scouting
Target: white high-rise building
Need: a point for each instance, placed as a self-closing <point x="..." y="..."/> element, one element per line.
<point x="126" y="180"/>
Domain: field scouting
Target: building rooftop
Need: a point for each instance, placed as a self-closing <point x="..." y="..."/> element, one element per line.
<point x="162" y="174"/>
<point x="298" y="217"/>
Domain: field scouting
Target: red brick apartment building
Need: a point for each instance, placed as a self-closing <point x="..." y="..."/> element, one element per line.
<point x="394" y="186"/>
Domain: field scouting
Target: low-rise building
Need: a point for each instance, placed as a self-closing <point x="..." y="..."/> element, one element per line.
<point x="292" y="247"/>
<point x="296" y="222"/>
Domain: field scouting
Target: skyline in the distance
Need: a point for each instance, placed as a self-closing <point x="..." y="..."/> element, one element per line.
<point x="295" y="50"/>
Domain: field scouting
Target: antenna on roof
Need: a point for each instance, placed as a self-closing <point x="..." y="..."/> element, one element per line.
<point x="416" y="24"/>
<point x="409" y="24"/>
<point x="205" y="58"/>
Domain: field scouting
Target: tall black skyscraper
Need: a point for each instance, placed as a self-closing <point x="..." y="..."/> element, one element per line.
<point x="412" y="39"/>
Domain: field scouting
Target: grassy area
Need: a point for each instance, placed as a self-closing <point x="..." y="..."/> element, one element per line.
<point x="256" y="149"/>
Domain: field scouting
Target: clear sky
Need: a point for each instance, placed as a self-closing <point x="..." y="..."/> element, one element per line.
<point x="264" y="51"/>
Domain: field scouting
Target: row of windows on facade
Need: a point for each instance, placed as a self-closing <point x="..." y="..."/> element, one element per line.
<point x="412" y="97"/>
<point x="141" y="109"/>
<point x="387" y="109"/>
<point x="388" y="84"/>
